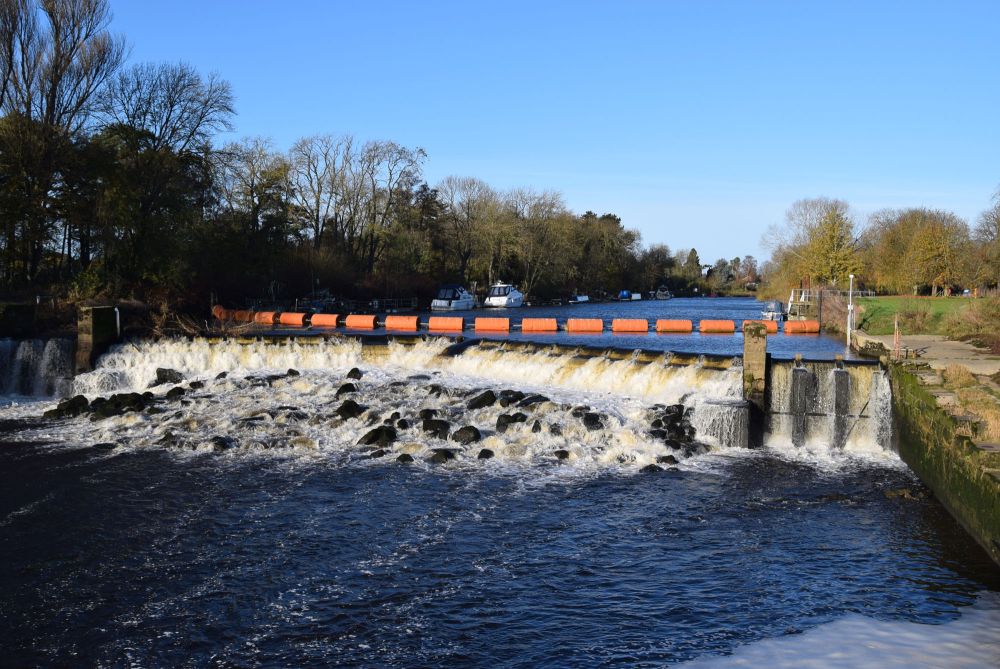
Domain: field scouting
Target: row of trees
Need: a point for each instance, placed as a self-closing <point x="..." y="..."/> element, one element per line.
<point x="898" y="251"/>
<point x="111" y="184"/>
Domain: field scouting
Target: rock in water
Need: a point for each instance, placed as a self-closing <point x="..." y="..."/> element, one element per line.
<point x="196" y="385"/>
<point x="467" y="435"/>
<point x="440" y="455"/>
<point x="508" y="397"/>
<point x="555" y="430"/>
<point x="592" y="421"/>
<point x="561" y="454"/>
<point x="506" y="420"/>
<point x="379" y="453"/>
<point x="532" y="400"/>
<point x="427" y="413"/>
<point x="651" y="469"/>
<point x="355" y="373"/>
<point x="165" y="375"/>
<point x="69" y="408"/>
<point x="346" y="388"/>
<point x="220" y="376"/>
<point x="482" y="400"/>
<point x="403" y="424"/>
<point x="175" y="392"/>
<point x="485" y="454"/>
<point x="666" y="460"/>
<point x="405" y="457"/>
<point x="537" y="427"/>
<point x="381" y="436"/>
<point x="220" y="443"/>
<point x="350" y="409"/>
<point x="437" y="428"/>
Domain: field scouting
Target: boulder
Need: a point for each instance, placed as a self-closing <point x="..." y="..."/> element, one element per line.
<point x="293" y="372"/>
<point x="536" y="427"/>
<point x="378" y="453"/>
<point x="355" y="373"/>
<point x="350" y="409"/>
<point x="532" y="400"/>
<point x="427" y="413"/>
<point x="437" y="390"/>
<point x="485" y="454"/>
<point x="175" y="392"/>
<point x="505" y="420"/>
<point x="405" y="457"/>
<point x="437" y="428"/>
<point x="592" y="421"/>
<point x="196" y="385"/>
<point x="440" y="455"/>
<point x="403" y="424"/>
<point x="74" y="406"/>
<point x="466" y="435"/>
<point x="166" y="375"/>
<point x="508" y="397"/>
<point x="347" y="388"/>
<point x="555" y="430"/>
<point x="666" y="460"/>
<point x="221" y="375"/>
<point x="561" y="454"/>
<point x="651" y="469"/>
<point x="381" y="436"/>
<point x="482" y="400"/>
<point x="220" y="443"/>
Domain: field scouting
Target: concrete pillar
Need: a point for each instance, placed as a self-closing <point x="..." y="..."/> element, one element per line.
<point x="801" y="395"/>
<point x="756" y="372"/>
<point x="96" y="329"/>
<point x="841" y="407"/>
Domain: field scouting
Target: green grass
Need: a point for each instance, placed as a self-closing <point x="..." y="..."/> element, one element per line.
<point x="917" y="315"/>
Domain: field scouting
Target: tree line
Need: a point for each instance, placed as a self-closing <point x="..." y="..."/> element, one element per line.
<point x="898" y="251"/>
<point x="113" y="184"/>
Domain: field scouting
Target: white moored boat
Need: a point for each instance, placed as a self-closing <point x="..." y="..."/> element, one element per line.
<point x="504" y="295"/>
<point x="453" y="298"/>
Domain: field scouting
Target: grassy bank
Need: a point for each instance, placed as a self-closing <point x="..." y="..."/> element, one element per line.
<point x="917" y="315"/>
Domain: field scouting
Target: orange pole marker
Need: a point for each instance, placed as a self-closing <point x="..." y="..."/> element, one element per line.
<point x="405" y="323"/>
<point x="584" y="325"/>
<point x="801" y="327"/>
<point x="445" y="323"/>
<point x="324" y="320"/>
<point x="492" y="325"/>
<point x="770" y="326"/>
<point x="538" y="325"/>
<point x="668" y="325"/>
<point x="292" y="318"/>
<point x="722" y="327"/>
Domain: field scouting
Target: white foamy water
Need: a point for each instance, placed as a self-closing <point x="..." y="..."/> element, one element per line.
<point x="857" y="642"/>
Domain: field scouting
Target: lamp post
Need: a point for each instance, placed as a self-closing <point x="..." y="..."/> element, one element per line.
<point x="850" y="310"/>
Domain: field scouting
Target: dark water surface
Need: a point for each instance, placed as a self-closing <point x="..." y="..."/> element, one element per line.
<point x="695" y="309"/>
<point x="151" y="559"/>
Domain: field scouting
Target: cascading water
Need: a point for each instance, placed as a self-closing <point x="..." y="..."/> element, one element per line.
<point x="36" y="367"/>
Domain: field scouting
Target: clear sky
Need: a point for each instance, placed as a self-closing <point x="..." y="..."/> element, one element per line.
<point x="697" y="122"/>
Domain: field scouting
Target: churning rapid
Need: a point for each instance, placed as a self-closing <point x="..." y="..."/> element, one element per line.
<point x="431" y="400"/>
<point x="422" y="503"/>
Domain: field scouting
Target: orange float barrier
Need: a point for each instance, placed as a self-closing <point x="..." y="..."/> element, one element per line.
<point x="801" y="327"/>
<point x="242" y="315"/>
<point x="492" y="325"/>
<point x="407" y="323"/>
<point x="359" y="322"/>
<point x="324" y="320"/>
<point x="292" y="318"/>
<point x="770" y="326"/>
<point x="630" y="325"/>
<point x="538" y="325"/>
<point x="264" y="317"/>
<point x="220" y="312"/>
<point x="445" y="323"/>
<point x="584" y="325"/>
<point x="721" y="327"/>
<point x="668" y="325"/>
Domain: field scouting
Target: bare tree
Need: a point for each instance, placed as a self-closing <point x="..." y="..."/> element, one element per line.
<point x="171" y="102"/>
<point x="319" y="164"/>
<point x="468" y="203"/>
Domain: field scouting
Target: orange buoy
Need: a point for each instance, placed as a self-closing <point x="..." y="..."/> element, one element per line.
<point x="292" y="318"/>
<point x="243" y="315"/>
<point x="668" y="325"/>
<point x="360" y="322"/>
<point x="405" y="323"/>
<point x="264" y="317"/>
<point x="717" y="327"/>
<point x="220" y="312"/>
<point x="324" y="320"/>
<point x="630" y="325"/>
<point x="801" y="327"/>
<point x="492" y="325"/>
<point x="585" y="325"/>
<point x="445" y="323"/>
<point x="538" y="325"/>
<point x="770" y="326"/>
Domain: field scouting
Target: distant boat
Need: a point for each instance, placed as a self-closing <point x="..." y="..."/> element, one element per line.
<point x="636" y="297"/>
<point x="625" y="295"/>
<point x="662" y="293"/>
<point x="579" y="299"/>
<point x="504" y="295"/>
<point x="453" y="297"/>
<point x="773" y="311"/>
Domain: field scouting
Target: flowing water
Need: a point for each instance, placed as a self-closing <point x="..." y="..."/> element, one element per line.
<point x="240" y="522"/>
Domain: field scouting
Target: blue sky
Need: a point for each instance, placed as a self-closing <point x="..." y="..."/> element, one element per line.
<point x="698" y="123"/>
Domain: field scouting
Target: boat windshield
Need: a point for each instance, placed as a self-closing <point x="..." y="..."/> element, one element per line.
<point x="500" y="291"/>
<point x="448" y="294"/>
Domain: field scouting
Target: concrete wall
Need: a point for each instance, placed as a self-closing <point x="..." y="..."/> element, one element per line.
<point x="964" y="477"/>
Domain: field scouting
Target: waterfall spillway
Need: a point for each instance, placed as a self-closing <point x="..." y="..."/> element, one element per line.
<point x="36" y="367"/>
<point x="821" y="404"/>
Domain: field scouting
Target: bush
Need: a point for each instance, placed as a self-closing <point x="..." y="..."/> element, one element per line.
<point x="979" y="323"/>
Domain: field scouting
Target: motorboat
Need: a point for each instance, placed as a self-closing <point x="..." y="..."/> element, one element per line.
<point x="504" y="295"/>
<point x="662" y="293"/>
<point x="579" y="299"/>
<point x="773" y="311"/>
<point x="453" y="297"/>
<point x="636" y="297"/>
<point x="625" y="295"/>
